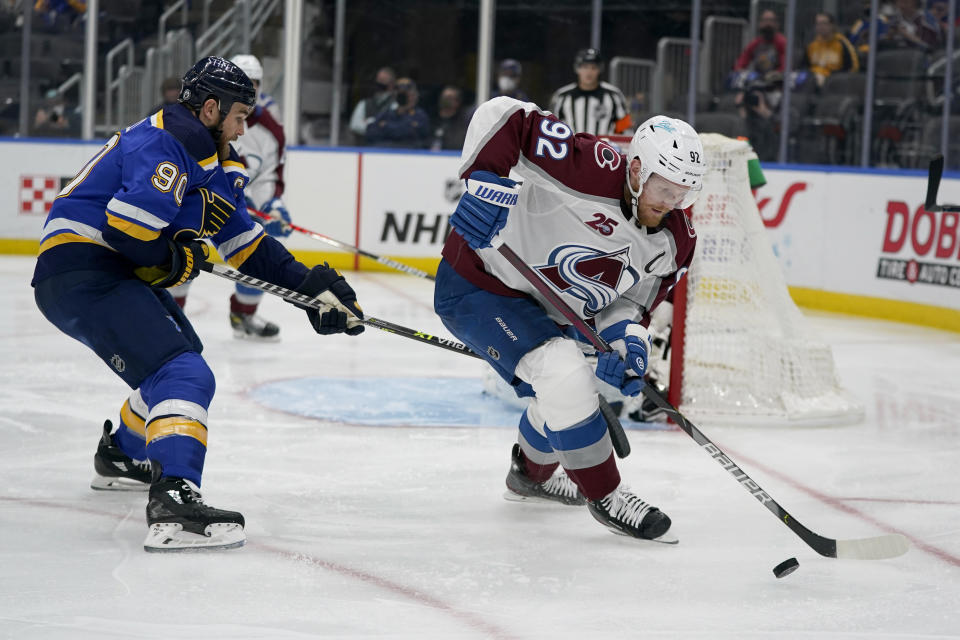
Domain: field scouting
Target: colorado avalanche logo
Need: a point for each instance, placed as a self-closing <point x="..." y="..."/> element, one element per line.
<point x="590" y="275"/>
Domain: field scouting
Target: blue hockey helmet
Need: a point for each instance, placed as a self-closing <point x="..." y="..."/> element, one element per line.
<point x="220" y="79"/>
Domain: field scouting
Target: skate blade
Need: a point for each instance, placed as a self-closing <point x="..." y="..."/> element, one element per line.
<point x="666" y="538"/>
<point x="167" y="537"/>
<point x="510" y="496"/>
<point x="104" y="483"/>
<point x="243" y="335"/>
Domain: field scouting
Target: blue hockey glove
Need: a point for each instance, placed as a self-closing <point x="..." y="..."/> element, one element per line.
<point x="483" y="208"/>
<point x="279" y="226"/>
<point x="322" y="278"/>
<point x="612" y="370"/>
<point x="632" y="342"/>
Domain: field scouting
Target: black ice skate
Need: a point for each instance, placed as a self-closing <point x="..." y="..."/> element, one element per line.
<point x="557" y="488"/>
<point x="624" y="513"/>
<point x="249" y="326"/>
<point x="180" y="521"/>
<point x="116" y="471"/>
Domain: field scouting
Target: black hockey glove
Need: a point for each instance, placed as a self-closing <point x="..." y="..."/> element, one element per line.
<point x="322" y="278"/>
<point x="184" y="265"/>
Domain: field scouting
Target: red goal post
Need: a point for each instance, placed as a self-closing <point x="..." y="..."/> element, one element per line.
<point x="741" y="351"/>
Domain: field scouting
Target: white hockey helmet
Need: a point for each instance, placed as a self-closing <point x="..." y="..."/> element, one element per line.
<point x="672" y="149"/>
<point x="249" y="65"/>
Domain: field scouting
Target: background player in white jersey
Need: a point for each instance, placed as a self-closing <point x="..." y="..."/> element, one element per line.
<point x="261" y="149"/>
<point x="133" y="222"/>
<point x="590" y="105"/>
<point x="611" y="247"/>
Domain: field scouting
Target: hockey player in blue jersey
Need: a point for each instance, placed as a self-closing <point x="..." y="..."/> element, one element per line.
<point x="262" y="150"/>
<point x="134" y="221"/>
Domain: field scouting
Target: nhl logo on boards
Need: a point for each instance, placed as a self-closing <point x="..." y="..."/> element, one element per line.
<point x="493" y="353"/>
<point x="117" y="362"/>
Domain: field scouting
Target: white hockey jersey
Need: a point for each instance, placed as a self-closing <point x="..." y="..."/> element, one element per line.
<point x="571" y="223"/>
<point x="262" y="149"/>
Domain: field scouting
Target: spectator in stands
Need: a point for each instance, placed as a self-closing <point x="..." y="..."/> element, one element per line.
<point x="911" y="27"/>
<point x="859" y="32"/>
<point x="829" y="51"/>
<point x="170" y="90"/>
<point x="589" y="105"/>
<point x="169" y="93"/>
<point x="368" y="109"/>
<point x="450" y="125"/>
<point x="758" y="103"/>
<point x="767" y="51"/>
<point x="758" y="80"/>
<point x="509" y="76"/>
<point x="404" y="124"/>
<point x="938" y="14"/>
<point x="57" y="13"/>
<point x="54" y="119"/>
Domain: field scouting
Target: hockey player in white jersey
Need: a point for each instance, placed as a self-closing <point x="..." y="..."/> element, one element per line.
<point x="262" y="150"/>
<point x="611" y="247"/>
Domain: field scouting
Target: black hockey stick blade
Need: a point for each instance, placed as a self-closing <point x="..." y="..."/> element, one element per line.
<point x="873" y="548"/>
<point x="933" y="182"/>
<point x="618" y="437"/>
<point x="933" y="187"/>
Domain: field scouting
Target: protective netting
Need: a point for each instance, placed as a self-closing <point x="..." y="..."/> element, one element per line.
<point x="748" y="353"/>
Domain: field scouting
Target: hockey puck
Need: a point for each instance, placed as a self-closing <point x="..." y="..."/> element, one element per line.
<point x="786" y="567"/>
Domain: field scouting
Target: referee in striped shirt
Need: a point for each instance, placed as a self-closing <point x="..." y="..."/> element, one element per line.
<point x="589" y="105"/>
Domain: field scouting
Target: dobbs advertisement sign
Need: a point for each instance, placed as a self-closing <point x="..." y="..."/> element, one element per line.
<point x="927" y="243"/>
<point x="864" y="234"/>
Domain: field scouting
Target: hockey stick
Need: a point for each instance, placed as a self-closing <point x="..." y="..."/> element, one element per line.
<point x="933" y="186"/>
<point x="319" y="303"/>
<point x="875" y="548"/>
<point x="343" y="246"/>
<point x="613" y="423"/>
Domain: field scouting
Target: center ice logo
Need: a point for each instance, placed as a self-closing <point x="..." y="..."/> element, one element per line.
<point x="590" y="275"/>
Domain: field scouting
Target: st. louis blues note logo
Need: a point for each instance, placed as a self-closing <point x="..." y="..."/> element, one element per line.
<point x="590" y="275"/>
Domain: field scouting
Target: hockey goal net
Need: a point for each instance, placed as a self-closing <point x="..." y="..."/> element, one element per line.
<point x="741" y="351"/>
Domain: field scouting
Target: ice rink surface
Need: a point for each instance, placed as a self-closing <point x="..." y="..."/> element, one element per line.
<point x="367" y="527"/>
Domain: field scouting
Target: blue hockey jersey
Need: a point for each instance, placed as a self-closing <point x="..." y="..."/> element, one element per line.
<point x="158" y="180"/>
